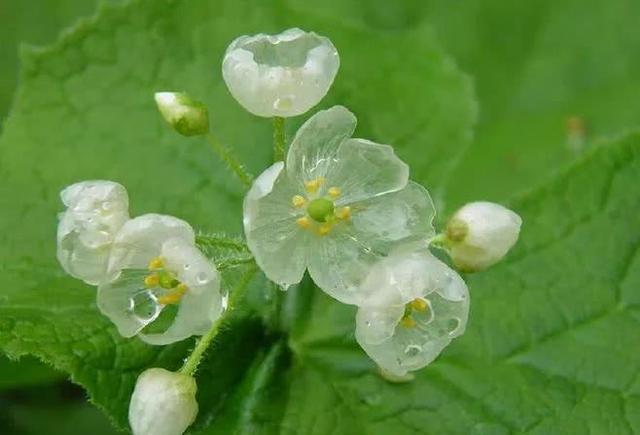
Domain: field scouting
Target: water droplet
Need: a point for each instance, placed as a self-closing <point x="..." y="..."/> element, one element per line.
<point x="412" y="350"/>
<point x="187" y="266"/>
<point x="453" y="324"/>
<point x="201" y="278"/>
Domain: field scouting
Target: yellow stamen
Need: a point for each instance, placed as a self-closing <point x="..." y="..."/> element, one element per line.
<point x="304" y="222"/>
<point x="156" y="263"/>
<point x="324" y="229"/>
<point x="419" y="304"/>
<point x="151" y="280"/>
<point x="334" y="192"/>
<point x="344" y="213"/>
<point x="407" y="322"/>
<point x="312" y="186"/>
<point x="298" y="201"/>
<point x="173" y="297"/>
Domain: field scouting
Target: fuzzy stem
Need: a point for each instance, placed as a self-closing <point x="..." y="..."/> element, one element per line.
<point x="226" y="155"/>
<point x="278" y="139"/>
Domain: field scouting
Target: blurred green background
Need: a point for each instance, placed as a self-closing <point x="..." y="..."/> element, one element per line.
<point x="552" y="79"/>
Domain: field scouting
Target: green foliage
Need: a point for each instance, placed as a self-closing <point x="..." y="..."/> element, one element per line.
<point x="536" y="65"/>
<point x="36" y="24"/>
<point x="549" y="346"/>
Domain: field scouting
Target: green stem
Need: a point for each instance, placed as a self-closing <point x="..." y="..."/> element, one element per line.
<point x="191" y="364"/>
<point x="440" y="241"/>
<point x="278" y="139"/>
<point x="226" y="155"/>
<point x="193" y="360"/>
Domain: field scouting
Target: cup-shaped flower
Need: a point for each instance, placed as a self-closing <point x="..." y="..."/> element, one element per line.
<point x="335" y="208"/>
<point x="160" y="286"/>
<point x="415" y="306"/>
<point x="280" y="75"/>
<point x="184" y="115"/>
<point x="162" y="403"/>
<point x="479" y="234"/>
<point x="96" y="210"/>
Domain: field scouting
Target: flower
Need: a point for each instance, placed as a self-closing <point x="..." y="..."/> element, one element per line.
<point x="280" y="75"/>
<point x="95" y="212"/>
<point x="186" y="116"/>
<point x="335" y="208"/>
<point x="480" y="234"/>
<point x="415" y="306"/>
<point x="159" y="284"/>
<point x="162" y="403"/>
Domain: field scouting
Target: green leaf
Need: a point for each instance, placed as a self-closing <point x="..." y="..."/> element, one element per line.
<point x="85" y="110"/>
<point x="36" y="24"/>
<point x="536" y="65"/>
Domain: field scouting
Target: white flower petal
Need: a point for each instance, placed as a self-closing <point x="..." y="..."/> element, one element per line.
<point x="202" y="303"/>
<point x="400" y="216"/>
<point x="315" y="145"/>
<point x="491" y="230"/>
<point x="339" y="262"/>
<point x="140" y="240"/>
<point x="409" y="273"/>
<point x="277" y="243"/>
<point x="162" y="403"/>
<point x="280" y="75"/>
<point x="365" y="169"/>
<point x="96" y="210"/>
<point x="128" y="303"/>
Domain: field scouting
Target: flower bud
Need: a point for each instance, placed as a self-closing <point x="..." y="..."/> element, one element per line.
<point x="480" y="234"/>
<point x="184" y="115"/>
<point x="163" y="403"/>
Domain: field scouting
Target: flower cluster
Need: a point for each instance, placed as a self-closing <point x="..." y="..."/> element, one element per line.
<point x="341" y="208"/>
<point x="147" y="269"/>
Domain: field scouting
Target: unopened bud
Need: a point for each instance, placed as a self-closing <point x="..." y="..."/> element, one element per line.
<point x="480" y="234"/>
<point x="163" y="403"/>
<point x="186" y="116"/>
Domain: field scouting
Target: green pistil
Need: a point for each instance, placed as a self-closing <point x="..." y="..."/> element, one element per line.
<point x="320" y="209"/>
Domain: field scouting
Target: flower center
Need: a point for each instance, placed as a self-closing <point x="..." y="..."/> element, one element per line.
<point x="320" y="209"/>
<point x="160" y="277"/>
<point x="417" y="305"/>
<point x="321" y="212"/>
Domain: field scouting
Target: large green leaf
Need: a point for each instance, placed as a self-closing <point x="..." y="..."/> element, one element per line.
<point x="37" y="22"/>
<point x="85" y="110"/>
<point x="537" y="64"/>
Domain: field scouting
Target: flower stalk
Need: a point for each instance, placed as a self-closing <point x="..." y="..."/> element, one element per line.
<point x="278" y="139"/>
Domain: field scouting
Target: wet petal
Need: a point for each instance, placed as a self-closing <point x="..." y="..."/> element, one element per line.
<point x="128" y="303"/>
<point x="141" y="239"/>
<point x="365" y="169"/>
<point x="385" y="221"/>
<point x="202" y="303"/>
<point x="280" y="75"/>
<point x="411" y="272"/>
<point x="96" y="210"/>
<point x="315" y="145"/>
<point x="277" y="243"/>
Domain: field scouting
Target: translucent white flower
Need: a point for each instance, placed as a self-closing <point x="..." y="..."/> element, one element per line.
<point x="160" y="285"/>
<point x="280" y="75"/>
<point x="415" y="306"/>
<point x="162" y="403"/>
<point x="480" y="234"/>
<point x="186" y="116"/>
<point x="95" y="212"/>
<point x="335" y="208"/>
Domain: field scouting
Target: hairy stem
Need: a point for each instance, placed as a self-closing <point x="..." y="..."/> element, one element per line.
<point x="278" y="139"/>
<point x="232" y="162"/>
